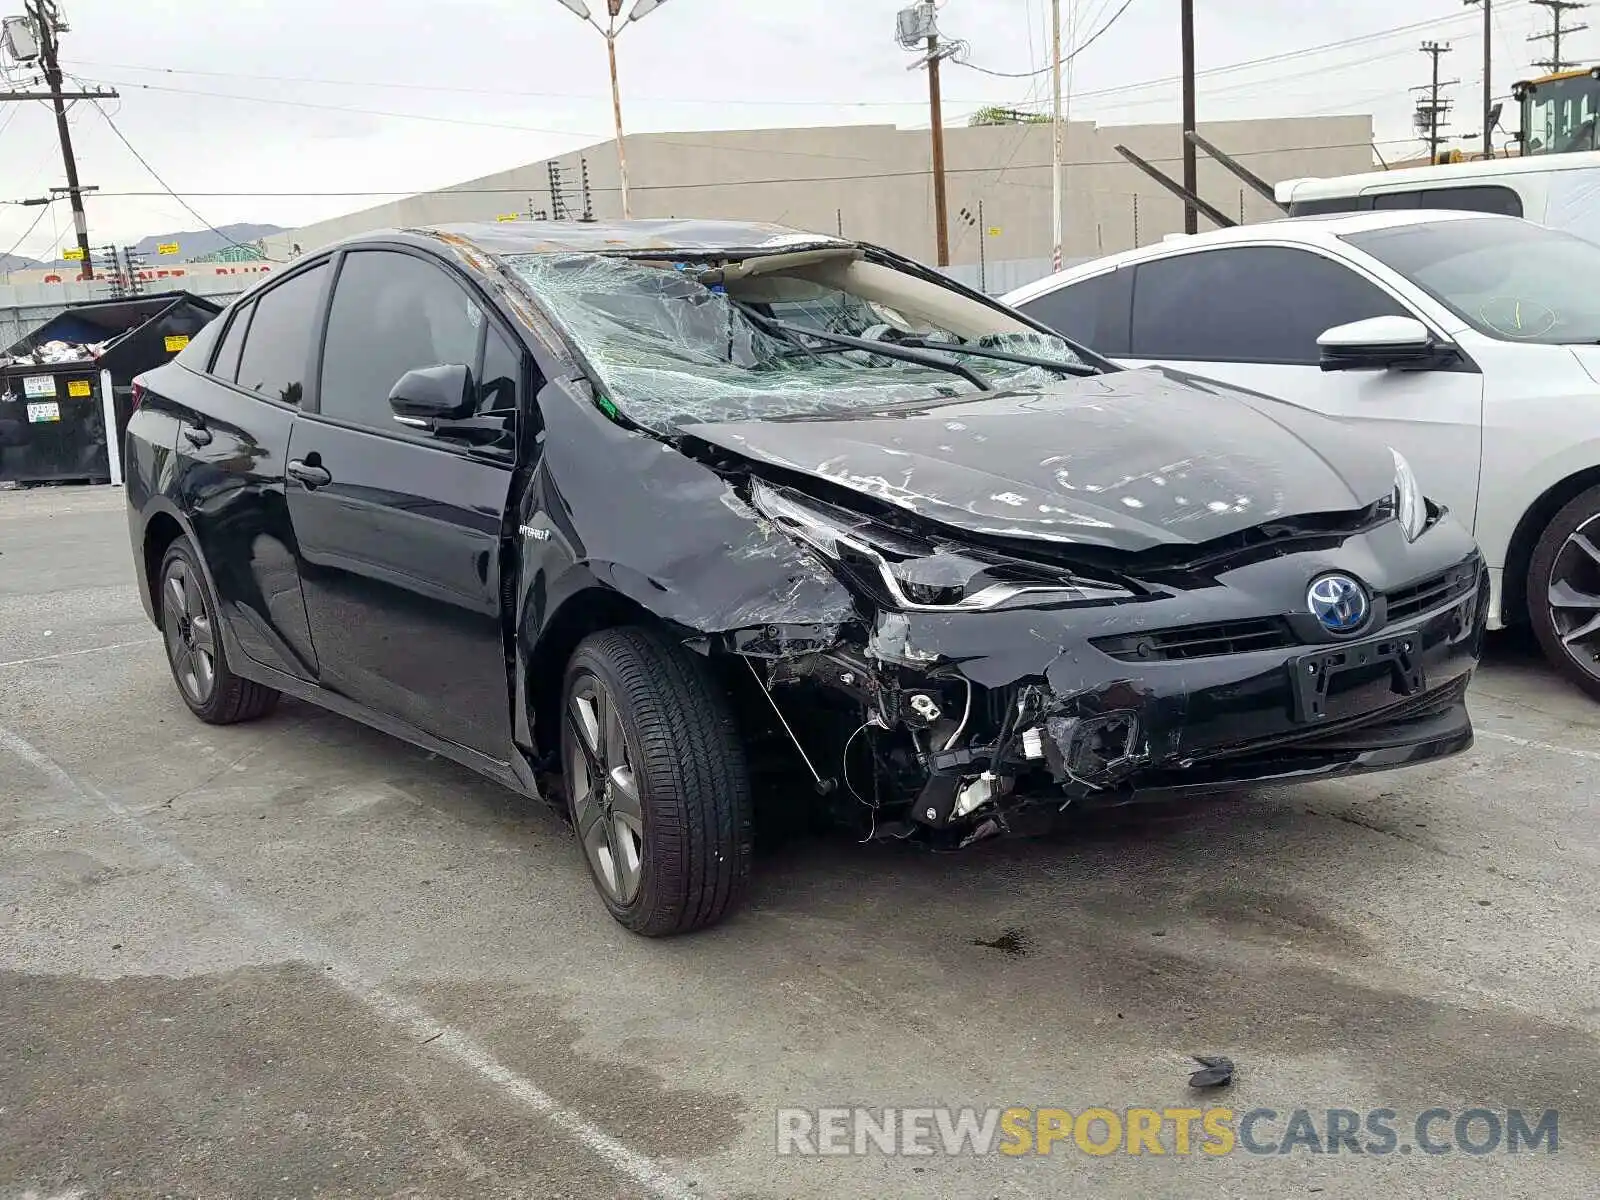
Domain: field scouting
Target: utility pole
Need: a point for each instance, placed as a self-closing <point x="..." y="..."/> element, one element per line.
<point x="46" y="25"/>
<point x="1055" y="133"/>
<point x="941" y="224"/>
<point x="44" y="17"/>
<point x="1429" y="116"/>
<point x="1488" y="66"/>
<point x="917" y="29"/>
<point x="1191" y="217"/>
<point x="1558" y="8"/>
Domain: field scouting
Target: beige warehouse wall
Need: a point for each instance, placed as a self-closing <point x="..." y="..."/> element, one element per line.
<point x="874" y="182"/>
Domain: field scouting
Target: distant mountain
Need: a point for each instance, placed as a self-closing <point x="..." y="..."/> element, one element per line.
<point x="16" y="262"/>
<point x="195" y="243"/>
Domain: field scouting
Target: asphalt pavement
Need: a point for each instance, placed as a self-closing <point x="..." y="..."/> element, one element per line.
<point x="299" y="958"/>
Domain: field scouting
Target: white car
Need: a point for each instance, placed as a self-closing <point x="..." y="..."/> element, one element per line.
<point x="1469" y="343"/>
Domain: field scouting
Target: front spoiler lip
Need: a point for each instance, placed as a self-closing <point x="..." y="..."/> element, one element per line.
<point x="1036" y="813"/>
<point x="1447" y="734"/>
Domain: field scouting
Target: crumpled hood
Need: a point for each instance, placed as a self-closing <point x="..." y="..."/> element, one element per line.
<point x="1127" y="460"/>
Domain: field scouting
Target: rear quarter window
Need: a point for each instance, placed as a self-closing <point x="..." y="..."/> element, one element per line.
<point x="1325" y="206"/>
<point x="197" y="353"/>
<point x="1481" y="198"/>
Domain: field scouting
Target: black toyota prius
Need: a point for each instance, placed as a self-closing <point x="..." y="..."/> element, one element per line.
<point x="668" y="521"/>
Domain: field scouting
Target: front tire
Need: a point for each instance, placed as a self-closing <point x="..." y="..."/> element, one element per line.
<point x="1564" y="591"/>
<point x="657" y="782"/>
<point x="194" y="645"/>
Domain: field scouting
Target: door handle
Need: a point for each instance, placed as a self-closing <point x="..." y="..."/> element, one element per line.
<point x="197" y="435"/>
<point x="309" y="474"/>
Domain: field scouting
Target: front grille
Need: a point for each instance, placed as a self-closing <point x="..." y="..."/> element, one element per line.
<point x="1198" y="641"/>
<point x="1433" y="592"/>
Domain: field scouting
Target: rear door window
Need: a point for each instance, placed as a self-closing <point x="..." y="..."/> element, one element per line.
<point x="1254" y="304"/>
<point x="277" y="347"/>
<point x="1092" y="312"/>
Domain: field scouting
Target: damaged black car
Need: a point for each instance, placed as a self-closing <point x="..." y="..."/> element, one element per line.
<point x="659" y="519"/>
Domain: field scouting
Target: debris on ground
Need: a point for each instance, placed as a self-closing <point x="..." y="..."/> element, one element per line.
<point x="1216" y="1071"/>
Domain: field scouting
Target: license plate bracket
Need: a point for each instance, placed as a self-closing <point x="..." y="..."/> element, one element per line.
<point x="1312" y="675"/>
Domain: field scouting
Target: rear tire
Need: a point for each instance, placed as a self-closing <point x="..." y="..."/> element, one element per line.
<point x="657" y="782"/>
<point x="1564" y="591"/>
<point x="194" y="645"/>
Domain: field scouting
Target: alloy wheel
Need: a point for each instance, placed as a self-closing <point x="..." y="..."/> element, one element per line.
<point x="190" y="635"/>
<point x="604" y="791"/>
<point x="1574" y="595"/>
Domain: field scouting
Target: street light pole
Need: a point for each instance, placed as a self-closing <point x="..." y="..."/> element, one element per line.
<point x="616" y="114"/>
<point x="612" y="30"/>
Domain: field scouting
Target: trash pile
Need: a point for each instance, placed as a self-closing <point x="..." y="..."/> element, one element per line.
<point x="54" y="352"/>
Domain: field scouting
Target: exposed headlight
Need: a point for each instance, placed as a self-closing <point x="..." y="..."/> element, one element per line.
<point x="911" y="574"/>
<point x="1410" y="509"/>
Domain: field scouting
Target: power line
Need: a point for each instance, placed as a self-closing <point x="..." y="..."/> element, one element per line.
<point x="718" y="102"/>
<point x="347" y="108"/>
<point x="1246" y="87"/>
<point x="733" y="183"/>
<point x="1092" y="38"/>
<point x="721" y="101"/>
<point x="1285" y="56"/>
<point x="189" y="208"/>
<point x="28" y="232"/>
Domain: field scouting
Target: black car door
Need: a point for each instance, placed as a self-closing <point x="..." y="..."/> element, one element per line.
<point x="399" y="530"/>
<point x="233" y="440"/>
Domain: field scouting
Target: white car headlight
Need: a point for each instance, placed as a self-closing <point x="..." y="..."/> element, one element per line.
<point x="912" y="575"/>
<point x="1410" y="508"/>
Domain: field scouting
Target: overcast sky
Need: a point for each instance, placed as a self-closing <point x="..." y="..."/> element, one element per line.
<point x="257" y="110"/>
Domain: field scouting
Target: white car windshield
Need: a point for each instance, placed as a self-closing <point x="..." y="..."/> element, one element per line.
<point x="676" y="343"/>
<point x="1510" y="279"/>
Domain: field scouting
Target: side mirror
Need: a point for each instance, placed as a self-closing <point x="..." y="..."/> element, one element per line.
<point x="431" y="394"/>
<point x="1377" y="343"/>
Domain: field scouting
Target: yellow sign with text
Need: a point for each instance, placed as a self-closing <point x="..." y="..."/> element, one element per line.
<point x="167" y="248"/>
<point x="79" y="387"/>
<point x="73" y="254"/>
<point x="177" y="341"/>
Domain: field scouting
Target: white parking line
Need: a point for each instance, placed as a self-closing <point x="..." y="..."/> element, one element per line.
<point x="422" y="1026"/>
<point x="22" y="662"/>
<point x="1530" y="744"/>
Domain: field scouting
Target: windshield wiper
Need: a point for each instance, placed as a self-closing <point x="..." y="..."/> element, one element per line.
<point x="794" y="333"/>
<point x="1027" y="360"/>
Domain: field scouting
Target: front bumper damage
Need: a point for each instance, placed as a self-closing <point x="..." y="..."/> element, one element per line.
<point x="972" y="725"/>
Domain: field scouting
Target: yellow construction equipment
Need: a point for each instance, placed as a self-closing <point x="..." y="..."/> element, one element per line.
<point x="1559" y="111"/>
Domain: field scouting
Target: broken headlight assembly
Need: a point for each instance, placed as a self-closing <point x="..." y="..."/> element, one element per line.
<point x="1410" y="507"/>
<point x="915" y="575"/>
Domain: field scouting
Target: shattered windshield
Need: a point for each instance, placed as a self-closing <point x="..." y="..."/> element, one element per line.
<point x="679" y="343"/>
